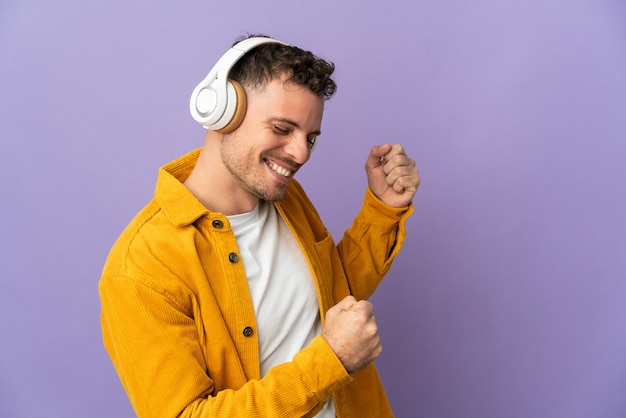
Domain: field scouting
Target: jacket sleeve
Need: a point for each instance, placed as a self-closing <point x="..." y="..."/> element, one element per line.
<point x="369" y="246"/>
<point x="155" y="345"/>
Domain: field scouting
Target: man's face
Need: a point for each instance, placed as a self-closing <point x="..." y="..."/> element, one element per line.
<point x="274" y="139"/>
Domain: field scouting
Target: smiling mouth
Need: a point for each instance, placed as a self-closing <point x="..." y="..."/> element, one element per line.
<point x="278" y="169"/>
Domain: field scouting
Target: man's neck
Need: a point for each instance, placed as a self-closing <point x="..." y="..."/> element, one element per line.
<point x="211" y="183"/>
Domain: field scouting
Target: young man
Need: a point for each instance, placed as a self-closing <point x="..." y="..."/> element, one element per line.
<point x="226" y="296"/>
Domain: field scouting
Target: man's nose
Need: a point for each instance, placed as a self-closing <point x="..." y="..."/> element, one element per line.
<point x="298" y="148"/>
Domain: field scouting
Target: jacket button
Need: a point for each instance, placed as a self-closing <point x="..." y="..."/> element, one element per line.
<point x="217" y="223"/>
<point x="248" y="331"/>
<point x="233" y="258"/>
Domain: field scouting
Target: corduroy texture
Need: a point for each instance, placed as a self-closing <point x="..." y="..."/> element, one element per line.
<point x="175" y="303"/>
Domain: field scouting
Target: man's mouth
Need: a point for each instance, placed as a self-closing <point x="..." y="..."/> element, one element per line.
<point x="278" y="169"/>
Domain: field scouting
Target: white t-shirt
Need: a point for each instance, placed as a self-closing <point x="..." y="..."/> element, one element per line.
<point x="282" y="288"/>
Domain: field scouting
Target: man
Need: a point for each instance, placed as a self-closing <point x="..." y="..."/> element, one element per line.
<point x="226" y="296"/>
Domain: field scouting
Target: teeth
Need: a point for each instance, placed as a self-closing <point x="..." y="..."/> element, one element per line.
<point x="279" y="169"/>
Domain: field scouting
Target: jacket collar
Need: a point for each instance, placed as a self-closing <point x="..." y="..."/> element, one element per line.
<point x="178" y="204"/>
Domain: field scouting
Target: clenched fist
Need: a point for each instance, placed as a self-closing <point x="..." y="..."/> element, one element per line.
<point x="391" y="174"/>
<point x="351" y="331"/>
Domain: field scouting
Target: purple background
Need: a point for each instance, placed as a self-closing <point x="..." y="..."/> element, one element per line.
<point x="509" y="297"/>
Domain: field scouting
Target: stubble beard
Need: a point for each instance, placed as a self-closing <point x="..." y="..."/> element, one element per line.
<point x="243" y="165"/>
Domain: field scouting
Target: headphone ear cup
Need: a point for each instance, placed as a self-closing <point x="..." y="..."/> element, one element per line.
<point x="238" y="102"/>
<point x="204" y="105"/>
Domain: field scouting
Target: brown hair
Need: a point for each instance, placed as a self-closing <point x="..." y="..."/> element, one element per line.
<point x="272" y="60"/>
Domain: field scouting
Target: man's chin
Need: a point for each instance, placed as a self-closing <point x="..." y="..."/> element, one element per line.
<point x="275" y="195"/>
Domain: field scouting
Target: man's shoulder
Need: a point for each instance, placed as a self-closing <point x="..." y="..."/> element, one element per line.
<point x="142" y="232"/>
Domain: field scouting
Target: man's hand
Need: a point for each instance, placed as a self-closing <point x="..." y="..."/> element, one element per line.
<point x="392" y="175"/>
<point x="351" y="331"/>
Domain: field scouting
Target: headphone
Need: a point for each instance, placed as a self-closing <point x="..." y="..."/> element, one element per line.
<point x="217" y="103"/>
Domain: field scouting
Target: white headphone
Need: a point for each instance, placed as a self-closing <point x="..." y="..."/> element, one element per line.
<point x="217" y="103"/>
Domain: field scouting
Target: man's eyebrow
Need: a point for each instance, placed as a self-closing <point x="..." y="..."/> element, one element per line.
<point x="295" y="125"/>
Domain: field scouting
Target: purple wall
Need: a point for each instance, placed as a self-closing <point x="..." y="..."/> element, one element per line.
<point x="509" y="297"/>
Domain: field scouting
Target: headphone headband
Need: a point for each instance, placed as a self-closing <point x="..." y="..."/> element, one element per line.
<point x="216" y="100"/>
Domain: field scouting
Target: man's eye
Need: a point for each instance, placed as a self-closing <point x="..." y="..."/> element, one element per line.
<point x="312" y="140"/>
<point x="281" y="130"/>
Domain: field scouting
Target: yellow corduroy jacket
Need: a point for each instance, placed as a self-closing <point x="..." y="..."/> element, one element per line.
<point x="177" y="317"/>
